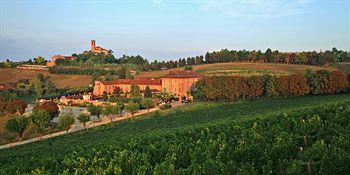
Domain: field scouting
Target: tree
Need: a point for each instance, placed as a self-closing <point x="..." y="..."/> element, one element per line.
<point x="94" y="77"/>
<point x="65" y="121"/>
<point x="148" y="93"/>
<point x="37" y="86"/>
<point x="135" y="91"/>
<point x="83" y="118"/>
<point x="13" y="106"/>
<point x="132" y="108"/>
<point x="104" y="96"/>
<point x="40" y="77"/>
<point x="41" y="119"/>
<point x="18" y="124"/>
<point x="50" y="88"/>
<point x="111" y="111"/>
<point x="122" y="73"/>
<point x="147" y="103"/>
<point x="95" y="110"/>
<point x="188" y="68"/>
<point x="49" y="106"/>
<point x="40" y="60"/>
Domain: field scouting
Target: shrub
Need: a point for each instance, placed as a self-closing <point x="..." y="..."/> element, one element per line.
<point x="65" y="122"/>
<point x="165" y="106"/>
<point x="50" y="107"/>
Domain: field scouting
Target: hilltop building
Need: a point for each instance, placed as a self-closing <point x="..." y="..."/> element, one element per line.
<point x="97" y="49"/>
<point x="178" y="83"/>
<point x="93" y="48"/>
<point x="56" y="57"/>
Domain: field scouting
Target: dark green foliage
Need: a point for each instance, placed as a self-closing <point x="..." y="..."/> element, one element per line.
<point x="132" y="108"/>
<point x="122" y="73"/>
<point x="135" y="91"/>
<point x="223" y="138"/>
<point x="18" y="124"/>
<point x="83" y="118"/>
<point x="95" y="110"/>
<point x="41" y="119"/>
<point x="148" y="93"/>
<point x="147" y="103"/>
<point x="82" y="71"/>
<point x="65" y="121"/>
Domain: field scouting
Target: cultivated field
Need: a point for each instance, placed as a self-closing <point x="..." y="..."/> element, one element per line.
<point x="244" y="69"/>
<point x="190" y="120"/>
<point x="344" y="67"/>
<point x="60" y="80"/>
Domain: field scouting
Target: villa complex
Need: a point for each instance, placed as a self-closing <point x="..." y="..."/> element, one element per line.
<point x="178" y="83"/>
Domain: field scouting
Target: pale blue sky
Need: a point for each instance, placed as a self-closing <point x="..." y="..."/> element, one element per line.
<point x="166" y="30"/>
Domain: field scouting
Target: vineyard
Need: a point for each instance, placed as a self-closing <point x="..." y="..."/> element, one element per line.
<point x="297" y="135"/>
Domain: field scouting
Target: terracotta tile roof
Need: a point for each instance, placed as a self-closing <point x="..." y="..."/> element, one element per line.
<point x="140" y="81"/>
<point x="133" y="81"/>
<point x="183" y="74"/>
<point x="109" y="82"/>
<point x="100" y="48"/>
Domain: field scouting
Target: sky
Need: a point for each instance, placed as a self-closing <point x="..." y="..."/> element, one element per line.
<point x="164" y="30"/>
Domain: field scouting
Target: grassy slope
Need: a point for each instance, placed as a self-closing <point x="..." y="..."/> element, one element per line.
<point x="210" y="69"/>
<point x="190" y="116"/>
<point x="60" y="80"/>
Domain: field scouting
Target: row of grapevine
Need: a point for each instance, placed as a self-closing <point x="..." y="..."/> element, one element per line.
<point x="309" y="141"/>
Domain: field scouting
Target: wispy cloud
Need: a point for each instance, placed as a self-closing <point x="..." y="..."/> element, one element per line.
<point x="262" y="9"/>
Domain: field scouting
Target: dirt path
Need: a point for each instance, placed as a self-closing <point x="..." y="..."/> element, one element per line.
<point x="78" y="126"/>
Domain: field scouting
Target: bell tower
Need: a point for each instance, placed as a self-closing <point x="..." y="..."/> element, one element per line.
<point x="93" y="44"/>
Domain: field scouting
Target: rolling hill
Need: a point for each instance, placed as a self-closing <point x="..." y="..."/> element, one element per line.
<point x="240" y="69"/>
<point x="60" y="80"/>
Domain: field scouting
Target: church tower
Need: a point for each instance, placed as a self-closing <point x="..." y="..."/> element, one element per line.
<point x="92" y="44"/>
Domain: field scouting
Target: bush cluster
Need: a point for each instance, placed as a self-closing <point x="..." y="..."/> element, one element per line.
<point x="234" y="87"/>
<point x="82" y="71"/>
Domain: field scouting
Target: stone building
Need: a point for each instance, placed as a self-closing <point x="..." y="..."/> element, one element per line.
<point x="178" y="83"/>
<point x="97" y="49"/>
<point x="56" y="57"/>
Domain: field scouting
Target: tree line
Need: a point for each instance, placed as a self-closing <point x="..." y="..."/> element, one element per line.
<point x="216" y="88"/>
<point x="269" y="56"/>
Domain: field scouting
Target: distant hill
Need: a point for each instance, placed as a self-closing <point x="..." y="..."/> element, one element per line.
<point x="240" y="69"/>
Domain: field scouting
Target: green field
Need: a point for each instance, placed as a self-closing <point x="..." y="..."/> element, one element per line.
<point x="157" y="126"/>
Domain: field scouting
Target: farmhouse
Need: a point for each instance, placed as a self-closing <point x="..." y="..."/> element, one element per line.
<point x="178" y="83"/>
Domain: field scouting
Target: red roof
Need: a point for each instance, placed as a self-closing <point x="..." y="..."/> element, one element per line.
<point x="183" y="74"/>
<point x="133" y="81"/>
